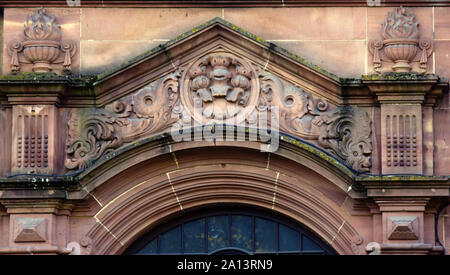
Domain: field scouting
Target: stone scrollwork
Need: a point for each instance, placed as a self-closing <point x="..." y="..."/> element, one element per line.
<point x="94" y="132"/>
<point x="227" y="87"/>
<point x="347" y="134"/>
<point x="342" y="131"/>
<point x="223" y="85"/>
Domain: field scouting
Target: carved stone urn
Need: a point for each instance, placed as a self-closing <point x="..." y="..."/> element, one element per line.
<point x="42" y="40"/>
<point x="401" y="43"/>
<point x="401" y="51"/>
<point x="401" y="39"/>
<point x="42" y="44"/>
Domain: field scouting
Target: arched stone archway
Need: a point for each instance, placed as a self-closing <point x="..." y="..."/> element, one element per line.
<point x="146" y="194"/>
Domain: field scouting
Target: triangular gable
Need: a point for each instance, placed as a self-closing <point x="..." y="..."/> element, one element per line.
<point x="218" y="74"/>
<point x="158" y="61"/>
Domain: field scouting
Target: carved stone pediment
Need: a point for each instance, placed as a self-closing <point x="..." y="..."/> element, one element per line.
<point x="221" y="79"/>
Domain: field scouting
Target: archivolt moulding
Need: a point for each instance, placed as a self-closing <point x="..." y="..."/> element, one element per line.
<point x="132" y="213"/>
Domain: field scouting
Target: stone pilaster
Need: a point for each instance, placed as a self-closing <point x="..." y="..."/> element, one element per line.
<point x="406" y="121"/>
<point x="37" y="227"/>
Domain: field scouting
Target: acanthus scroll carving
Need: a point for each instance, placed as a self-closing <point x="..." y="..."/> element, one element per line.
<point x="400" y="43"/>
<point x="42" y="45"/>
<point x="95" y="132"/>
<point x="343" y="131"/>
<point x="227" y="87"/>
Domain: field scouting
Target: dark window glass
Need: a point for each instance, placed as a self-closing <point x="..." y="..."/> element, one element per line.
<point x="170" y="242"/>
<point x="194" y="237"/>
<point x="241" y="232"/>
<point x="289" y="239"/>
<point x="265" y="235"/>
<point x="218" y="232"/>
<point x="231" y="233"/>
<point x="151" y="248"/>
<point x="309" y="244"/>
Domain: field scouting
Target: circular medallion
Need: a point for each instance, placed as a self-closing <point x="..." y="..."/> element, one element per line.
<point x="219" y="87"/>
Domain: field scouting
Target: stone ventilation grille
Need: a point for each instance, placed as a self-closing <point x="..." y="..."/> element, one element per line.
<point x="32" y="141"/>
<point x="401" y="140"/>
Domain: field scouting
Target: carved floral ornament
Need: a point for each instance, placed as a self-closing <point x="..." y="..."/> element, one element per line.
<point x="42" y="44"/>
<point x="400" y="43"/>
<point x="218" y="87"/>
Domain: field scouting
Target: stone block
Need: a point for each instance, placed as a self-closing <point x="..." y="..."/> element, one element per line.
<point x="30" y="230"/>
<point x="403" y="228"/>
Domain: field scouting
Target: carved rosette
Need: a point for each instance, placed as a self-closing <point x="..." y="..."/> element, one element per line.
<point x="219" y="88"/>
<point x="400" y="43"/>
<point x="42" y="44"/>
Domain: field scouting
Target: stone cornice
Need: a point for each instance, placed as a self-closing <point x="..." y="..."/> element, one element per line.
<point x="410" y="88"/>
<point x="227" y="3"/>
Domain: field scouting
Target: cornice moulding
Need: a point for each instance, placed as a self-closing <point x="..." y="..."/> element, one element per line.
<point x="227" y="3"/>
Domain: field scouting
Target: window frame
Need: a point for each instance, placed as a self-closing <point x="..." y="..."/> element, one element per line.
<point x="230" y="210"/>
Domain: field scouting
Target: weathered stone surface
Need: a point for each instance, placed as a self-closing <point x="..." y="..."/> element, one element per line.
<point x="400" y="43"/>
<point x="123" y="177"/>
<point x="324" y="54"/>
<point x="66" y="22"/>
<point x="100" y="55"/>
<point x="441" y="23"/>
<point x="301" y="23"/>
<point x="403" y="228"/>
<point x="30" y="230"/>
<point x="141" y="24"/>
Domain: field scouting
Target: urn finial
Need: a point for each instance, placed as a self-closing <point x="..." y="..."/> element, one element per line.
<point x="42" y="44"/>
<point x="400" y="43"/>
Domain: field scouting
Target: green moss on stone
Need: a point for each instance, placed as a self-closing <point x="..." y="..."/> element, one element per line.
<point x="271" y="46"/>
<point x="400" y="76"/>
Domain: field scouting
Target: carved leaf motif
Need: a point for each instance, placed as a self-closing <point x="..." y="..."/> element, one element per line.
<point x="42" y="26"/>
<point x="347" y="135"/>
<point x="298" y="108"/>
<point x="97" y="135"/>
<point x="42" y="45"/>
<point x="222" y="83"/>
<point x="400" y="43"/>
<point x="400" y="24"/>
<point x="95" y="132"/>
<point x="342" y="131"/>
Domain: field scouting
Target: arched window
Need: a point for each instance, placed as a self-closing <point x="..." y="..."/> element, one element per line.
<point x="230" y="231"/>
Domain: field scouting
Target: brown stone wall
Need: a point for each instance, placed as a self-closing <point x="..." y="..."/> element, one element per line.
<point x="334" y="38"/>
